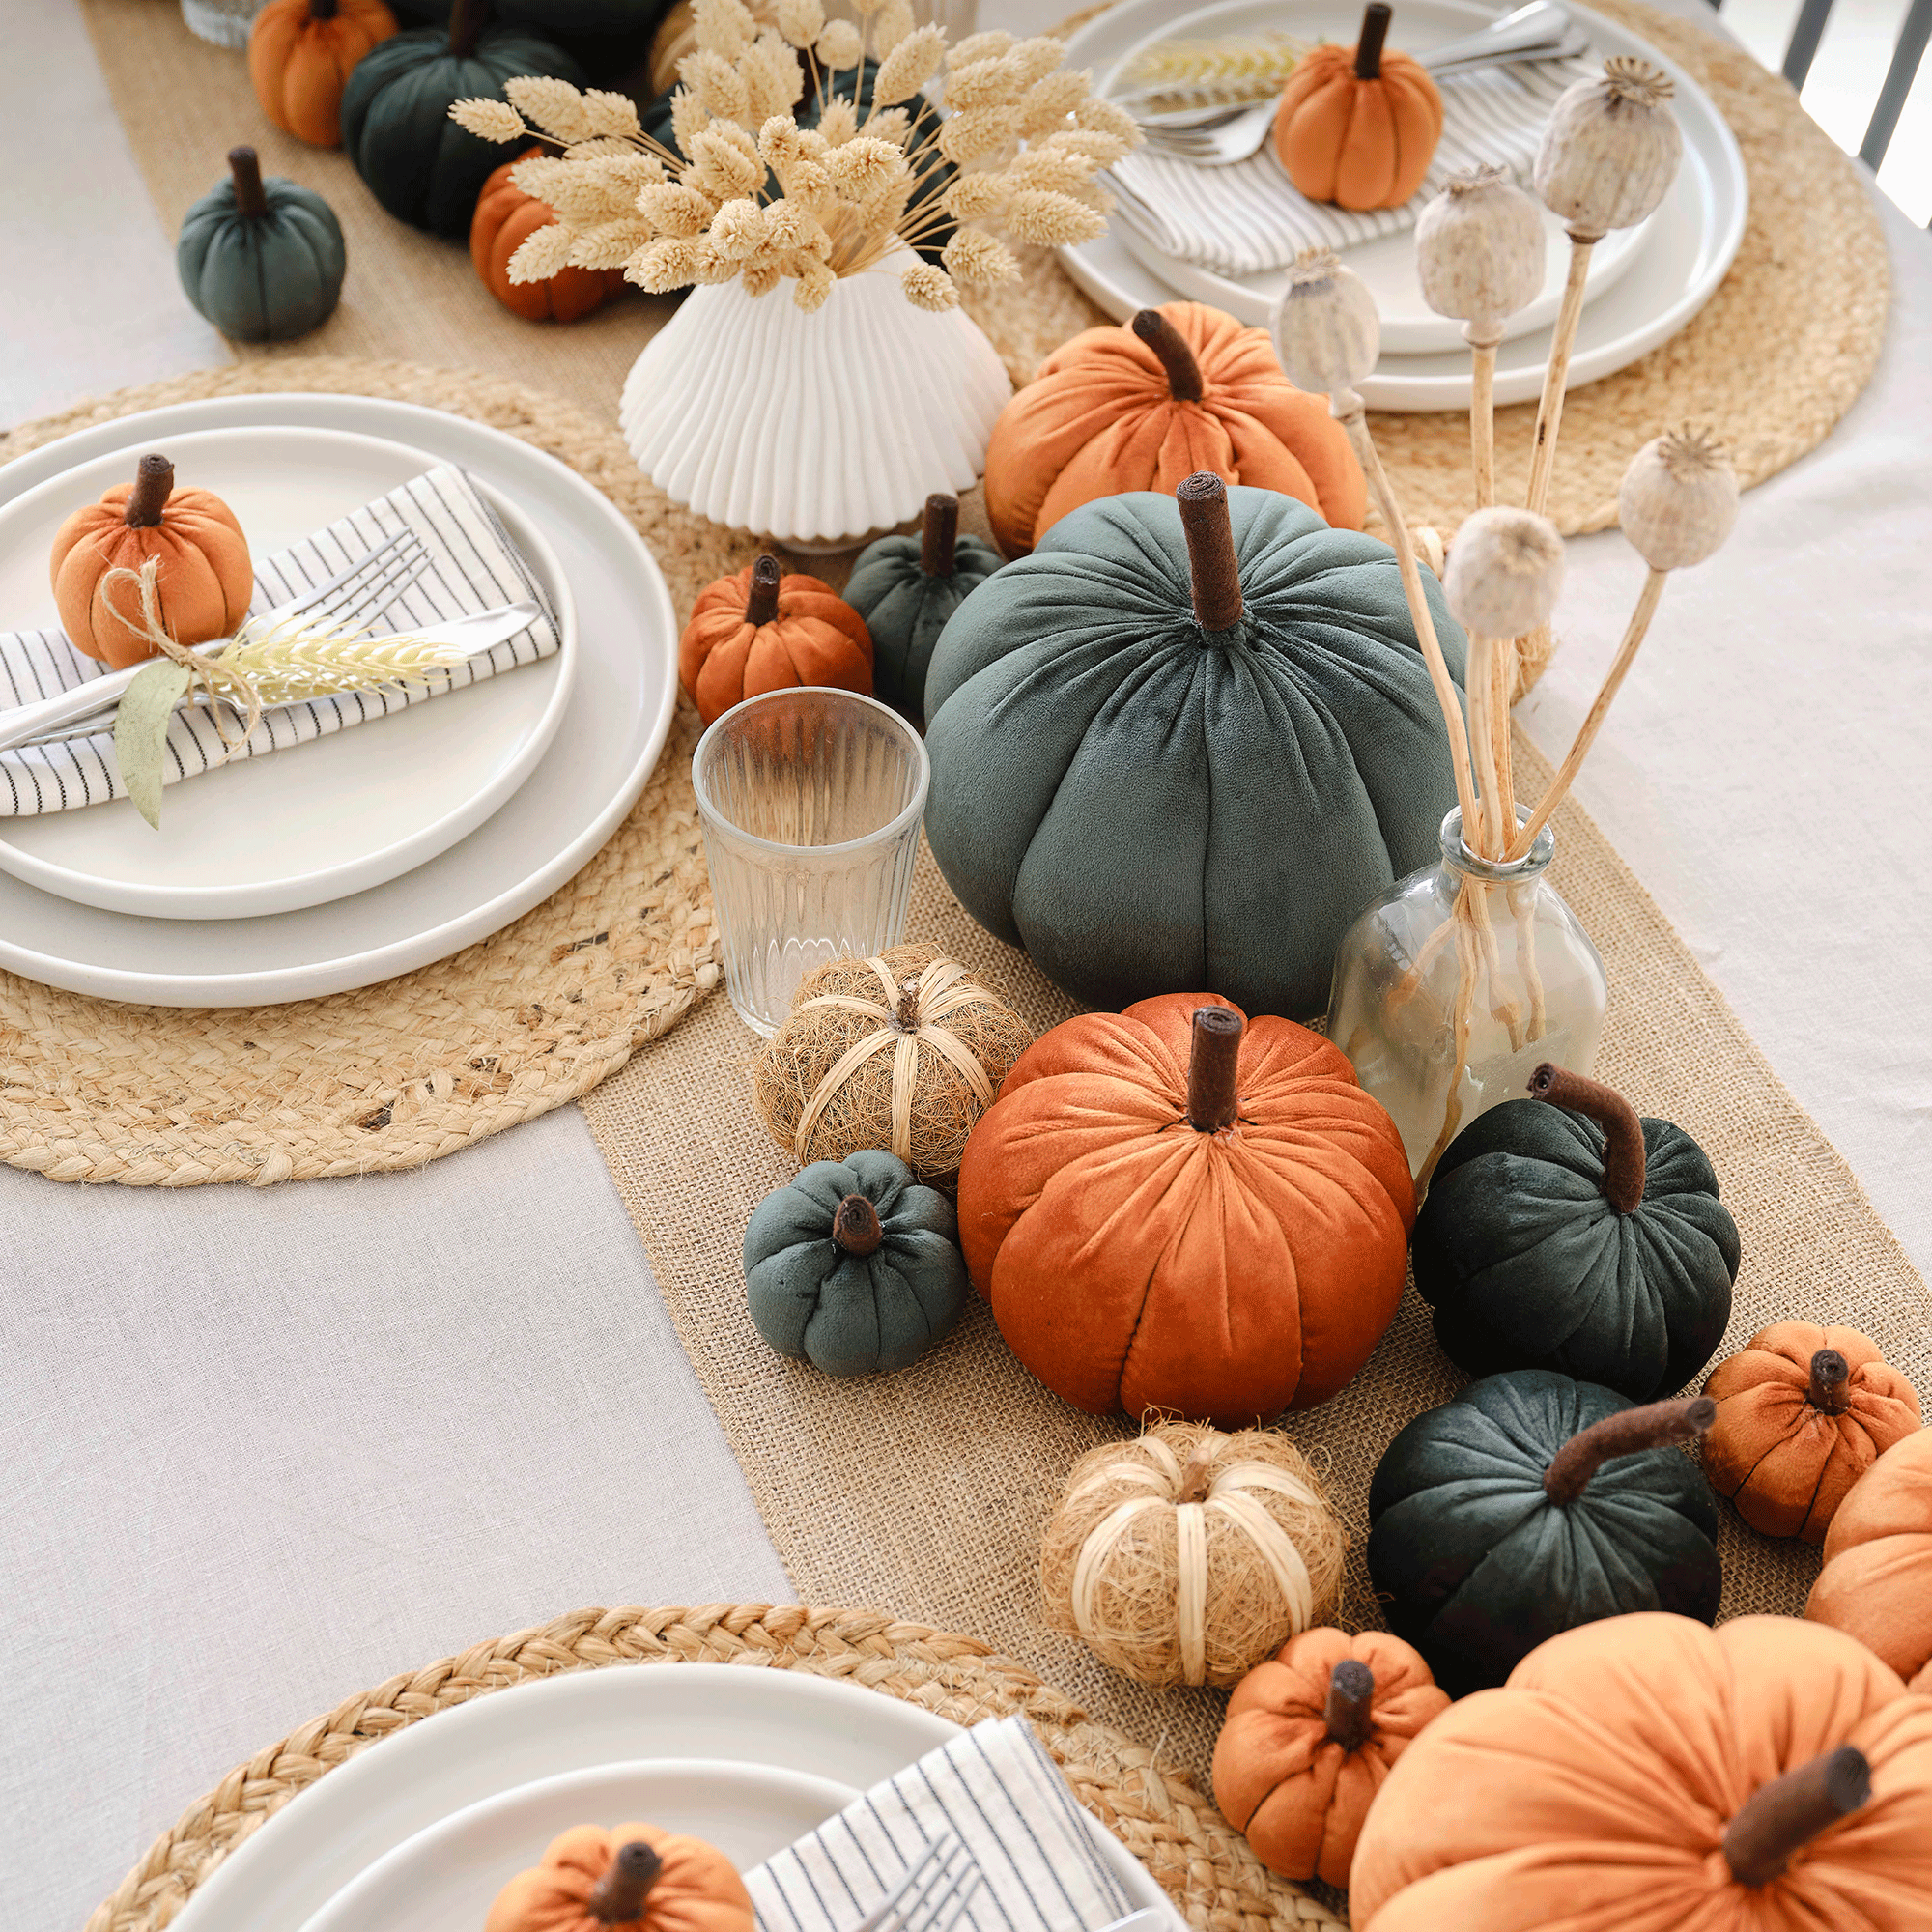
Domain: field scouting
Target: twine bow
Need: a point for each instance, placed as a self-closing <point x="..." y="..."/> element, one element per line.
<point x="233" y="690"/>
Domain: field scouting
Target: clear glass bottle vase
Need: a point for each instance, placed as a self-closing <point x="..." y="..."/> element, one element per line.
<point x="1456" y="985"/>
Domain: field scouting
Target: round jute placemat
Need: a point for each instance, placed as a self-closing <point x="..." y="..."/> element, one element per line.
<point x="1202" y="1863"/>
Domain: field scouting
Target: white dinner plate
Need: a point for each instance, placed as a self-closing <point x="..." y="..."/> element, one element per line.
<point x="1669" y="271"/>
<point x="444" y="1878"/>
<point x="314" y="822"/>
<point x="613" y="727"/>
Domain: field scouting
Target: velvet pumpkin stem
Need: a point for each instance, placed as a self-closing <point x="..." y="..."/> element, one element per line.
<point x="1623" y="1131"/>
<point x="466" y="27"/>
<point x="1653" y="1426"/>
<point x="939" y="535"/>
<point x="246" y="169"/>
<point x="1791" y="1810"/>
<point x="1183" y="372"/>
<point x="856" y="1226"/>
<point x="1348" y="1712"/>
<point x="1211" y="562"/>
<point x="1211" y="1064"/>
<point x="762" y="604"/>
<point x="618" y="1897"/>
<point x="1369" y="48"/>
<point x="1831" y="1382"/>
<point x="153" y="485"/>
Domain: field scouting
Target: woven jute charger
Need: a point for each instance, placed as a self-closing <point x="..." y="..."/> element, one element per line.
<point x="1202" y="1863"/>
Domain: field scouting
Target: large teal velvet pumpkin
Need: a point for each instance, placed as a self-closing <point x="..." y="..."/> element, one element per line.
<point x="1148" y="805"/>
<point x="855" y="1267"/>
<point x="262" y="260"/>
<point x="1482" y="1544"/>
<point x="396" y="130"/>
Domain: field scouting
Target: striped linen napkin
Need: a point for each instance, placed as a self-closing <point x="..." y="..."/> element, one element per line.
<point x="474" y="566"/>
<point x="996" y="1789"/>
<point x="1248" y="218"/>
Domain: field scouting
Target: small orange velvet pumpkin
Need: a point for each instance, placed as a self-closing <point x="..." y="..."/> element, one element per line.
<point x="634" y="1878"/>
<point x="758" y="632"/>
<point x="299" y="57"/>
<point x="1876" y="1585"/>
<point x="204" y="577"/>
<point x="1803" y="1412"/>
<point x="505" y="218"/>
<point x="1141" y="406"/>
<point x="1309" y="1740"/>
<point x="1358" y="125"/>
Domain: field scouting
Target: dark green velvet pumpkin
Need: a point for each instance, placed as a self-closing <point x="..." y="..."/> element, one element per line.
<point x="1482" y="1543"/>
<point x="1150" y="803"/>
<point x="262" y="260"/>
<point x="396" y="130"/>
<point x="1564" y="1233"/>
<point x="856" y="1266"/>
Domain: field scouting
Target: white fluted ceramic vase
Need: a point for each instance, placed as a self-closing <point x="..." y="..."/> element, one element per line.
<point x="817" y="430"/>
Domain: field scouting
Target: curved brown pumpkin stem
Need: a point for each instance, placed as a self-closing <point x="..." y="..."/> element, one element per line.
<point x="1831" y="1382"/>
<point x="1652" y="1427"/>
<point x="905" y="1016"/>
<point x="1376" y="19"/>
<point x="466" y="26"/>
<point x="1623" y="1131"/>
<point x="1211" y="562"/>
<point x="1348" y="1712"/>
<point x="618" y="1897"/>
<point x="856" y="1226"/>
<point x="1194" y="1479"/>
<point x="762" y="604"/>
<point x="322" y="9"/>
<point x="939" y="535"/>
<point x="153" y="485"/>
<point x="1213" y="1061"/>
<point x="1183" y="372"/>
<point x="244" y="168"/>
<point x="1789" y="1811"/>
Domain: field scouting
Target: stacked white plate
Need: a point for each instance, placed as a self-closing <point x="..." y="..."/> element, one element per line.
<point x="365" y="854"/>
<point x="1645" y="285"/>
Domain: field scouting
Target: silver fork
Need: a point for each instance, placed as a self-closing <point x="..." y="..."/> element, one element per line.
<point x="931" y="1894"/>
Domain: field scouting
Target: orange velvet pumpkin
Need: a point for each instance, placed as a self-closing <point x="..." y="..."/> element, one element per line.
<point x="758" y="632"/>
<point x="1803" y="1412"/>
<point x="299" y="55"/>
<point x="1168" y="1212"/>
<point x="1358" y="125"/>
<point x="1618" y="1782"/>
<point x="204" y="577"/>
<point x="1877" y="1579"/>
<point x="1309" y="1740"/>
<point x="505" y="218"/>
<point x="634" y="1878"/>
<point x="1181" y="389"/>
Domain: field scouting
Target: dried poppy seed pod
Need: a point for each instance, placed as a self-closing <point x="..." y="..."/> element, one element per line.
<point x="1479" y="251"/>
<point x="1610" y="149"/>
<point x="1326" y="332"/>
<point x="1678" y="499"/>
<point x="1505" y="569"/>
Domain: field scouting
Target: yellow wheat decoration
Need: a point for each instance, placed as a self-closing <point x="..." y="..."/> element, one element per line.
<point x="1233" y="68"/>
<point x="308" y="657"/>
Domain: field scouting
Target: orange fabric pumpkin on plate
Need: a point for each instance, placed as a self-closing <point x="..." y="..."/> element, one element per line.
<point x="1181" y="389"/>
<point x="1647" y="1774"/>
<point x="204" y="577"/>
<point x="632" y="1879"/>
<point x="1309" y="1740"/>
<point x="299" y="57"/>
<point x="1168" y="1208"/>
<point x="1877" y="1581"/>
<point x="505" y="218"/>
<point x="759" y="632"/>
<point x="1358" y="125"/>
<point x="1803" y="1412"/>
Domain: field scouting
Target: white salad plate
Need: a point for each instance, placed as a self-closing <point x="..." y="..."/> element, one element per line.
<point x="613" y="727"/>
<point x="1656" y="281"/>
<point x="313" y="822"/>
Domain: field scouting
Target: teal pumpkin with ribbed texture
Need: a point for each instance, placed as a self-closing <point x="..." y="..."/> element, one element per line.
<point x="262" y="260"/>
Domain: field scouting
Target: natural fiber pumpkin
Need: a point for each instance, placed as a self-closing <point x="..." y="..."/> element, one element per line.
<point x="1647" y="1775"/>
<point x="202" y="576"/>
<point x="633" y="1878"/>
<point x="1529" y="1504"/>
<point x="1358" y="125"/>
<point x="1564" y="1233"/>
<point x="301" y="55"/>
<point x="1308" y="1741"/>
<point x="1187" y="1557"/>
<point x="505" y="218"/>
<point x="262" y="259"/>
<point x="1173" y="1208"/>
<point x="902" y="1052"/>
<point x="1876" y="1585"/>
<point x="1142" y="406"/>
<point x="759" y="630"/>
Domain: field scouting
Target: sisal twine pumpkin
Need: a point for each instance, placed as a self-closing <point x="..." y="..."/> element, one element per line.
<point x="1188" y="1555"/>
<point x="901" y="1052"/>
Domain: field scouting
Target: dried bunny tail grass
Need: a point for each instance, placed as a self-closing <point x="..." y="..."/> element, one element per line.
<point x="887" y="124"/>
<point x="975" y="257"/>
<point x="909" y="67"/>
<point x="1045" y="105"/>
<point x="792" y="228"/>
<point x="554" y="105"/>
<point x="659" y="267"/>
<point x="930" y="288"/>
<point x="1051" y="220"/>
<point x="760" y="278"/>
<point x="489" y="120"/>
<point x="862" y="170"/>
<point x="840" y="46"/>
<point x="674" y="210"/>
<point x="609" y="245"/>
<point x="1036" y="58"/>
<point x="719" y="86"/>
<point x="739" y="229"/>
<point x="837" y="124"/>
<point x="546" y="253"/>
<point x="801" y="21"/>
<point x="986" y="83"/>
<point x="688" y="118"/>
<point x="1107" y="117"/>
<point x="816" y="283"/>
<point x="977" y="47"/>
<point x="614" y="115"/>
<point x="1103" y="150"/>
<point x="724" y="27"/>
<point x="1061" y="170"/>
<point x="1264" y="1553"/>
<point x="774" y="77"/>
<point x="979" y="197"/>
<point x="891" y="27"/>
<point x="721" y="168"/>
<point x="978" y="134"/>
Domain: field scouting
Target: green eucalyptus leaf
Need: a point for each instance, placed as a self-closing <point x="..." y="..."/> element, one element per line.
<point x="141" y="732"/>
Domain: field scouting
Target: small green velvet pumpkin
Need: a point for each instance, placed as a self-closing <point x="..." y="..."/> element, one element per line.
<point x="855" y="1267"/>
<point x="396" y="130"/>
<point x="1563" y="1232"/>
<point x="906" y="588"/>
<point x="1529" y="1504"/>
<point x="262" y="260"/>
<point x="1150" y="799"/>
